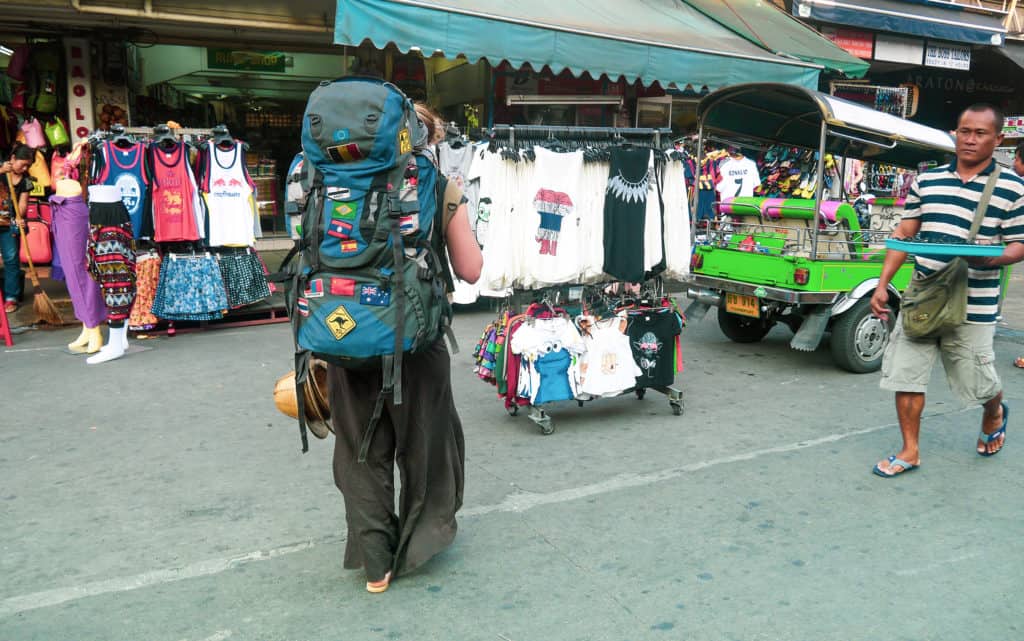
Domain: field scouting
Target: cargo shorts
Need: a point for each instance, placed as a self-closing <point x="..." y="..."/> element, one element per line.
<point x="967" y="355"/>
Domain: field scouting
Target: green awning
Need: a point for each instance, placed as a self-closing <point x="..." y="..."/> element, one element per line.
<point x="648" y="40"/>
<point x="763" y="24"/>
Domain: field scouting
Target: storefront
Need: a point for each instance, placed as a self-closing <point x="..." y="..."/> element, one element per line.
<point x="928" y="60"/>
<point x="534" y="63"/>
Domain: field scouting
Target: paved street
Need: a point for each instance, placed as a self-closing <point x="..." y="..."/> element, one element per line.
<point x="162" y="497"/>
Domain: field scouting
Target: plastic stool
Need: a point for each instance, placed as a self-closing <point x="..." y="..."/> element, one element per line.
<point x="5" y="328"/>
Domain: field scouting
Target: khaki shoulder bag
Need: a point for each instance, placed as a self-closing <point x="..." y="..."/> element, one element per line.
<point x="935" y="304"/>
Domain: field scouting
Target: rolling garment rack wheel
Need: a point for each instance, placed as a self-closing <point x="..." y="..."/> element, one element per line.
<point x="542" y="419"/>
<point x="513" y="411"/>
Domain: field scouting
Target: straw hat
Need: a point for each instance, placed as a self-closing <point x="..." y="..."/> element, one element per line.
<point x="318" y="409"/>
<point x="68" y="188"/>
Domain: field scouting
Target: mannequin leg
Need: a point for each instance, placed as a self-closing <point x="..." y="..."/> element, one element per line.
<point x="79" y="343"/>
<point x="114" y="348"/>
<point x="95" y="340"/>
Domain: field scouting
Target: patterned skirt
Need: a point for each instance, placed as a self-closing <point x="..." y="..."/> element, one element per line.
<point x="112" y="258"/>
<point x="147" y="278"/>
<point x="243" y="276"/>
<point x="190" y="288"/>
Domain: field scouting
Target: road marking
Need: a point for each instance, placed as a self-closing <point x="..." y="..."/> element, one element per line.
<point x="937" y="564"/>
<point x="32" y="349"/>
<point x="220" y="635"/>
<point x="515" y="503"/>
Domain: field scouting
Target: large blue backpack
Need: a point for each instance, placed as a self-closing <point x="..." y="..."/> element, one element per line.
<point x="368" y="286"/>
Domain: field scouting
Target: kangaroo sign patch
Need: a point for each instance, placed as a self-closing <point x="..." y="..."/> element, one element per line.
<point x="340" y="322"/>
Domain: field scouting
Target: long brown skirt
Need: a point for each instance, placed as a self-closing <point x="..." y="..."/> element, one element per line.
<point x="423" y="436"/>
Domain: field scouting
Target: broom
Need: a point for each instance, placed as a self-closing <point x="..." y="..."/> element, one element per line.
<point x="44" y="308"/>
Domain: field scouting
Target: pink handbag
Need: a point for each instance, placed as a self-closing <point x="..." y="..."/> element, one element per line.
<point x="33" y="131"/>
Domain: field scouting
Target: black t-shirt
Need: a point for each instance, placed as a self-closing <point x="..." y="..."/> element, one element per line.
<point x="652" y="337"/>
<point x="23" y="187"/>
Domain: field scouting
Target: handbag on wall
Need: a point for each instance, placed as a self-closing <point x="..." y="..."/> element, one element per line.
<point x="56" y="132"/>
<point x="935" y="304"/>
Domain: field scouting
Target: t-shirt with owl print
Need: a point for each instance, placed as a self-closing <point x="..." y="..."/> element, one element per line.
<point x="652" y="337"/>
<point x="608" y="366"/>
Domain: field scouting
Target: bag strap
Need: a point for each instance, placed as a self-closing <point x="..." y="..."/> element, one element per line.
<point x="986" y="196"/>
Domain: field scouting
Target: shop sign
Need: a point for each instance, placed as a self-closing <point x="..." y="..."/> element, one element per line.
<point x="947" y="56"/>
<point x="896" y="49"/>
<point x="857" y="43"/>
<point x="233" y="60"/>
<point x="950" y="84"/>
<point x="1013" y="126"/>
<point x="80" y="108"/>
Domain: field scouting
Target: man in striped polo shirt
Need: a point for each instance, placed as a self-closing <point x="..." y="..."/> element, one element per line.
<point x="943" y="201"/>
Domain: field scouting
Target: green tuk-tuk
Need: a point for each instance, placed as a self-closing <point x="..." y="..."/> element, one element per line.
<point x="811" y="264"/>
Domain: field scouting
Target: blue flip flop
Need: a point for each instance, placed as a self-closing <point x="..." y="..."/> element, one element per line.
<point x="988" y="438"/>
<point x="907" y="467"/>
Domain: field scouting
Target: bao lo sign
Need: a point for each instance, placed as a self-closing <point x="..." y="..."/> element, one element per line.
<point x="80" y="108"/>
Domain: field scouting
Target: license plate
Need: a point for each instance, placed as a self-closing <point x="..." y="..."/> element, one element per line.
<point x="743" y="305"/>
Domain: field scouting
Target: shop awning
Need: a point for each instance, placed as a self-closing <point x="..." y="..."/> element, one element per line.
<point x="765" y="25"/>
<point x="943" y="22"/>
<point x="650" y="40"/>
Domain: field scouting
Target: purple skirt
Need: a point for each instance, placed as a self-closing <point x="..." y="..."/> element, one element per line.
<point x="71" y="237"/>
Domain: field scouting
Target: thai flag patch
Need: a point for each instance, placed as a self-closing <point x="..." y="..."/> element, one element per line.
<point x="339" y="229"/>
<point x="302" y="305"/>
<point x="315" y="288"/>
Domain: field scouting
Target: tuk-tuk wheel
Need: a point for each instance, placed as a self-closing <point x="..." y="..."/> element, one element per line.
<point x="742" y="329"/>
<point x="859" y="338"/>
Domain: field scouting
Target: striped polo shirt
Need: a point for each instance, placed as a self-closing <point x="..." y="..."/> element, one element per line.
<point x="946" y="205"/>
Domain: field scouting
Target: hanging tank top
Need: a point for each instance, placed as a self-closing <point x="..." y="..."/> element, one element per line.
<point x="175" y="215"/>
<point x="124" y="168"/>
<point x="229" y="198"/>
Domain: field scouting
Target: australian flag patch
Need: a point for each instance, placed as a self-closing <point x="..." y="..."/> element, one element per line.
<point x="374" y="295"/>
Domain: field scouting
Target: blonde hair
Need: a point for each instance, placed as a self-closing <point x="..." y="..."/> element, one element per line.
<point x="432" y="121"/>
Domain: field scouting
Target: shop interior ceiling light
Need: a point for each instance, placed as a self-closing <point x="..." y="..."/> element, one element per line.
<point x="5" y="51"/>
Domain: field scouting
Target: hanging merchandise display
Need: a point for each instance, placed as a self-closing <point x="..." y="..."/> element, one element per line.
<point x="602" y="212"/>
<point x="556" y="211"/>
<point x="180" y="273"/>
<point x="618" y="344"/>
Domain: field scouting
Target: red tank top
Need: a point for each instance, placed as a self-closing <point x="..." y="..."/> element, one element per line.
<point x="174" y="191"/>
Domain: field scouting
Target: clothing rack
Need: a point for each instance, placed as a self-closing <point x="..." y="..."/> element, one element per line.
<point x="590" y="298"/>
<point x="589" y="133"/>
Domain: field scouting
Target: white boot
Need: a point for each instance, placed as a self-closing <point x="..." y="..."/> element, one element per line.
<point x="116" y="345"/>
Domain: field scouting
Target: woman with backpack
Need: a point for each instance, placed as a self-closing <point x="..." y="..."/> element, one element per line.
<point x="17" y="166"/>
<point x="423" y="435"/>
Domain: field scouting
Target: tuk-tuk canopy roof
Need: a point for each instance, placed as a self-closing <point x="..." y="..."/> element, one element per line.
<point x="773" y="113"/>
